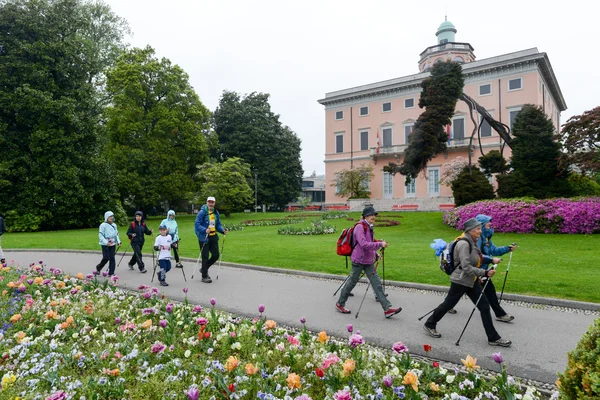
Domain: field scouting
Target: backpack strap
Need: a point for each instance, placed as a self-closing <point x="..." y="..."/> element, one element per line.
<point x="454" y="249"/>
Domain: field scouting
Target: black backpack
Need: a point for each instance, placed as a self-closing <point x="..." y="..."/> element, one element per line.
<point x="447" y="257"/>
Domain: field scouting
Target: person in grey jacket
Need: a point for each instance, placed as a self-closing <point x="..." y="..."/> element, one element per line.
<point x="464" y="280"/>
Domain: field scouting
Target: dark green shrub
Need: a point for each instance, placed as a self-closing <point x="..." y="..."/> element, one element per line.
<point x="16" y="222"/>
<point x="470" y="186"/>
<point x="493" y="163"/>
<point x="583" y="185"/>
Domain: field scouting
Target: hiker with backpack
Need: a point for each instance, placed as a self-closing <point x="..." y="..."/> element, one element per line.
<point x="466" y="262"/>
<point x="363" y="254"/>
<point x="136" y="231"/>
<point x="488" y="248"/>
<point x="173" y="231"/>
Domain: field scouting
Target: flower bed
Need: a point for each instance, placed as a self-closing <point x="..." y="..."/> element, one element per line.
<point x="233" y="227"/>
<point x="334" y="215"/>
<point x="77" y="338"/>
<point x="272" y="221"/>
<point x="580" y="215"/>
<point x="318" y="227"/>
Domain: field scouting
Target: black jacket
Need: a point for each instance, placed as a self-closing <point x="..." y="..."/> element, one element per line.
<point x="139" y="229"/>
<point x="2" y="226"/>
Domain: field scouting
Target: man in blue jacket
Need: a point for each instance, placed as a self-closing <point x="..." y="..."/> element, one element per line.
<point x="207" y="224"/>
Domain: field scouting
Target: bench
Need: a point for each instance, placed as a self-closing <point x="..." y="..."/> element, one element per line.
<point x="337" y="208"/>
<point x="292" y="208"/>
<point x="445" y="207"/>
<point x="312" y="208"/>
<point x="405" y="207"/>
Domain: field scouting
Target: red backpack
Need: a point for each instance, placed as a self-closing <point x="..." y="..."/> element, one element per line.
<point x="345" y="243"/>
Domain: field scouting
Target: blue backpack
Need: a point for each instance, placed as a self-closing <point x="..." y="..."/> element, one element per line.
<point x="447" y="256"/>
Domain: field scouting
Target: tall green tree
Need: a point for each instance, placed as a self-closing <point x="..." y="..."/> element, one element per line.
<point x="354" y="182"/>
<point x="248" y="129"/>
<point x="471" y="185"/>
<point x="53" y="173"/>
<point x="156" y="125"/>
<point x="535" y="159"/>
<point x="229" y="182"/>
<point x="580" y="138"/>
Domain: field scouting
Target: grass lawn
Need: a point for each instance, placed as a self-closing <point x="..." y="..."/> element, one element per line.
<point x="561" y="266"/>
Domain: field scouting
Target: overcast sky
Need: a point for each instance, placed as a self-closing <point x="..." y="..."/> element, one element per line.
<point x="298" y="50"/>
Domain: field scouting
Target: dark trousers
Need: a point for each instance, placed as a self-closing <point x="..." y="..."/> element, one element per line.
<point x="210" y="246"/>
<point x="165" y="266"/>
<point x="137" y="255"/>
<point x="455" y="292"/>
<point x="175" y="246"/>
<point x="492" y="298"/>
<point x="108" y="256"/>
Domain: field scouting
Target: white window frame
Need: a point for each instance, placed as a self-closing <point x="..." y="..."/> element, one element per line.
<point x="387" y="176"/>
<point x="404" y="126"/>
<point x="386" y="111"/>
<point x="360" y="133"/>
<point x="413" y="106"/>
<point x="434" y="182"/>
<point x="336" y="142"/>
<point x="413" y="184"/>
<point x="510" y="110"/>
<point x="360" y="109"/>
<point x="485" y="94"/>
<point x="336" y="115"/>
<point x="514" y="79"/>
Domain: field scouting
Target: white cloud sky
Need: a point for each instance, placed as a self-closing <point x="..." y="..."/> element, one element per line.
<point x="298" y="50"/>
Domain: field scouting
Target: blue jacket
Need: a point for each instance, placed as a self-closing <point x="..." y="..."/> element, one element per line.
<point x="171" y="224"/>
<point x="202" y="221"/>
<point x="485" y="243"/>
<point x="108" y="231"/>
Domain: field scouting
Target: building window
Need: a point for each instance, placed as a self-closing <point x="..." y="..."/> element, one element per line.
<point x="409" y="103"/>
<point x="407" y="131"/>
<point x="512" y="115"/>
<point x="387" y="137"/>
<point x="411" y="187"/>
<point x="434" y="181"/>
<point x="458" y="59"/>
<point x="386" y="107"/>
<point x="515" y="84"/>
<point x="339" y="115"/>
<point x="443" y="41"/>
<point x="485" y="90"/>
<point x="364" y="140"/>
<point x="458" y="130"/>
<point x="364" y="110"/>
<point x="339" y="143"/>
<point x="485" y="129"/>
<point x="388" y="185"/>
<point x="308" y="184"/>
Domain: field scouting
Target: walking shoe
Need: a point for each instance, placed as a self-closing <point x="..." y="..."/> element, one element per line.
<point x="2" y="261"/>
<point x="130" y="266"/>
<point x="452" y="311"/>
<point x="143" y="270"/>
<point x="505" y="318"/>
<point x="163" y="283"/>
<point x="432" y="332"/>
<point x="98" y="268"/>
<point x="206" y="279"/>
<point x="342" y="309"/>
<point x="390" y="312"/>
<point x="500" y="342"/>
<point x="179" y="265"/>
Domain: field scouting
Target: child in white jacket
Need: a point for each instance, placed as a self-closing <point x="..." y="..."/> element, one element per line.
<point x="163" y="244"/>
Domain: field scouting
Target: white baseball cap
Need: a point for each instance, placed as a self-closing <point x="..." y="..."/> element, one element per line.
<point x="210" y="198"/>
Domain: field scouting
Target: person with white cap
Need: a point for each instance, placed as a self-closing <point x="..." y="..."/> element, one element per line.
<point x="464" y="280"/>
<point x="206" y="227"/>
<point x="108" y="234"/>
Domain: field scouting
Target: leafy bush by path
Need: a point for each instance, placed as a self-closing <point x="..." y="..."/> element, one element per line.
<point x="75" y="337"/>
<point x="580" y="215"/>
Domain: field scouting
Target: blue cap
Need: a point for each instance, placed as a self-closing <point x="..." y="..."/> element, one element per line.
<point x="162" y="226"/>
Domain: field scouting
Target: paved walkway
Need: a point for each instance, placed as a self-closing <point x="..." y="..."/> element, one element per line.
<point x="542" y="335"/>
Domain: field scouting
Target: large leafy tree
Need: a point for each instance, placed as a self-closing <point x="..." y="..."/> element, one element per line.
<point x="229" y="182"/>
<point x="53" y="174"/>
<point x="580" y="137"/>
<point x="247" y="128"/>
<point x="156" y="125"/>
<point x="354" y="182"/>
<point x="534" y="162"/>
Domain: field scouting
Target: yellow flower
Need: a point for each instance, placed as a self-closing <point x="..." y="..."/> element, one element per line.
<point x="51" y="315"/>
<point x="293" y="381"/>
<point x="4" y="293"/>
<point x="251" y="369"/>
<point x="20" y="336"/>
<point x="53" y="303"/>
<point x="11" y="285"/>
<point x="15" y="318"/>
<point x="60" y="284"/>
<point x="270" y="324"/>
<point x="470" y="363"/>
<point x="8" y="379"/>
<point x="79" y="276"/>
<point x="411" y="379"/>
<point x="348" y="367"/>
<point x="112" y="372"/>
<point x="434" y="387"/>
<point x="231" y="363"/>
<point x="70" y="321"/>
<point x="147" y="324"/>
<point x="323" y="337"/>
<point x="39" y="280"/>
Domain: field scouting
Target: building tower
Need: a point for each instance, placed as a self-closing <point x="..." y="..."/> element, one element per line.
<point x="446" y="49"/>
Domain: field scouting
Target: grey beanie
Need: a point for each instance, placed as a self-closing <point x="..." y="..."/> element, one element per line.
<point x="369" y="211"/>
<point x="471" y="224"/>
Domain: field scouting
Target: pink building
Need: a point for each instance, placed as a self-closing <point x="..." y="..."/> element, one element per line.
<point x="357" y="118"/>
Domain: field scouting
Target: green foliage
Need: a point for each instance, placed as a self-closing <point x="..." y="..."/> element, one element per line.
<point x="229" y="182"/>
<point x="247" y="128"/>
<point x="318" y="227"/>
<point x="471" y="185"/>
<point x="493" y="163"/>
<point x="353" y="182"/>
<point x="534" y="162"/>
<point x="581" y="379"/>
<point x="440" y="93"/>
<point x="52" y="54"/>
<point x="156" y="128"/>
<point x="583" y="185"/>
<point x="580" y="138"/>
<point x="27" y="222"/>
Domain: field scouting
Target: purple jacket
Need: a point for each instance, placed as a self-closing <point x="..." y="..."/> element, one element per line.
<point x="365" y="248"/>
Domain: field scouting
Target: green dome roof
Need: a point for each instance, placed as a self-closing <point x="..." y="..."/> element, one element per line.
<point x="446" y="26"/>
<point x="445" y="32"/>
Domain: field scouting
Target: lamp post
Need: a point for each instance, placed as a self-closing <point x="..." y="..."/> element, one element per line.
<point x="255" y="191"/>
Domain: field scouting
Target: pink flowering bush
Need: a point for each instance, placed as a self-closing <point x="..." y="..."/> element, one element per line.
<point x="577" y="215"/>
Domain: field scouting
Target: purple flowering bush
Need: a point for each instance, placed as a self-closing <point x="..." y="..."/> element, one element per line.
<point x="576" y="215"/>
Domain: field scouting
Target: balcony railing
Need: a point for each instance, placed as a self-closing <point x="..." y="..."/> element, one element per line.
<point x="401" y="148"/>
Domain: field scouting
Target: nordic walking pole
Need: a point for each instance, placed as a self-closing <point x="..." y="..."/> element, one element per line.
<point x="197" y="261"/>
<point x="125" y="252"/>
<point x="365" y="296"/>
<point x="420" y="318"/>
<point x="221" y="258"/>
<point x="383" y="266"/>
<point x="506" y="276"/>
<point x="155" y="264"/>
<point x="474" y="307"/>
<point x="341" y="286"/>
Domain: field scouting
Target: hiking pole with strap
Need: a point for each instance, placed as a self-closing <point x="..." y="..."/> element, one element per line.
<point x="345" y="280"/>
<point x="383" y="266"/>
<point x="365" y="296"/>
<point x="505" y="276"/>
<point x="125" y="252"/>
<point x="420" y="318"/>
<point x="473" y="311"/>
<point x="198" y="260"/>
<point x="221" y="257"/>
